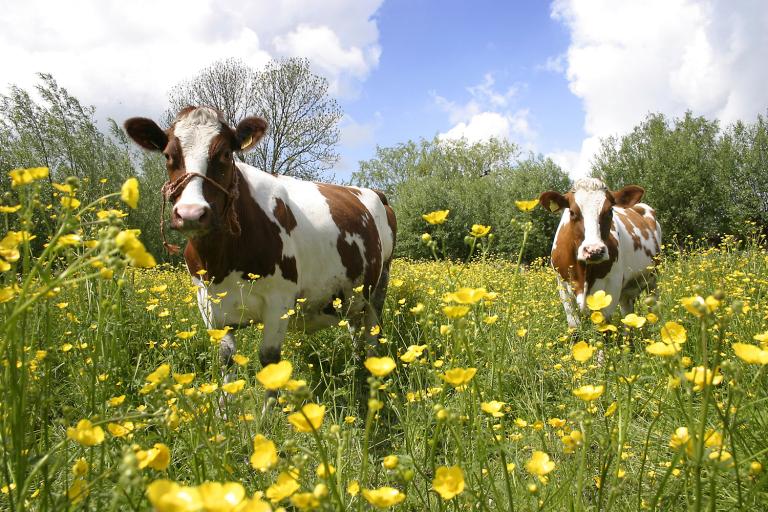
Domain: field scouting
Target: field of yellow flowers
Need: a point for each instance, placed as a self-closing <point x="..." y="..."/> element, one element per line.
<point x="481" y="399"/>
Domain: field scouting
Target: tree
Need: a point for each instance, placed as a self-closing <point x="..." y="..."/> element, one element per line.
<point x="303" y="118"/>
<point x="436" y="158"/>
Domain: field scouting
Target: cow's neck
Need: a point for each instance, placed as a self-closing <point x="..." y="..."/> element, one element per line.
<point x="256" y="250"/>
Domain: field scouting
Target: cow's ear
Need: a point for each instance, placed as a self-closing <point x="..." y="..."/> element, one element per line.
<point x="553" y="201"/>
<point x="628" y="196"/>
<point x="248" y="132"/>
<point x="146" y="133"/>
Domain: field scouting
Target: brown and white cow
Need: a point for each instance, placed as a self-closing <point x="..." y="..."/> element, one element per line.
<point x="605" y="241"/>
<point x="311" y="241"/>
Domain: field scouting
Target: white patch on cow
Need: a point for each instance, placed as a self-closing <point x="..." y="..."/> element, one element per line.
<point x="589" y="194"/>
<point x="195" y="132"/>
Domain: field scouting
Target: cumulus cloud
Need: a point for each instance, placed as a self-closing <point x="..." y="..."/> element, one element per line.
<point x="626" y="59"/>
<point x="124" y="56"/>
<point x="489" y="113"/>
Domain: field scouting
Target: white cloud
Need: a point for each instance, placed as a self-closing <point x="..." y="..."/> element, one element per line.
<point x="488" y="113"/>
<point x="124" y="56"/>
<point x="629" y="58"/>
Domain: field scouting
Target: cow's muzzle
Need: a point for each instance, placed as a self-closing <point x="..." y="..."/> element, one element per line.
<point x="593" y="253"/>
<point x="191" y="219"/>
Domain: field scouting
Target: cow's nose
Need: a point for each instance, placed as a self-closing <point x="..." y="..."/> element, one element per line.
<point x="190" y="217"/>
<point x="595" y="251"/>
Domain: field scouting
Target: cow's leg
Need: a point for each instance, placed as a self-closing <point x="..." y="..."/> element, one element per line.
<point x="569" y="304"/>
<point x="275" y="326"/>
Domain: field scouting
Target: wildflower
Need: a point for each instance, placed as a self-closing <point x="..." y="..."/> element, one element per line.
<point x="448" y="482"/>
<point x="21" y="177"/>
<point x="185" y="335"/>
<point x="597" y="317"/>
<point x="70" y="202"/>
<point x="455" y="311"/>
<point x="632" y="320"/>
<point x="662" y="349"/>
<point x="556" y="422"/>
<point x="673" y="332"/>
<point x="526" y="206"/>
<point x="493" y="408"/>
<point x="414" y="352"/>
<point x="78" y="490"/>
<point x="380" y="366"/>
<point x="284" y="487"/>
<point x="606" y="327"/>
<point x="353" y="487"/>
<point x="436" y="217"/>
<point x="116" y="400"/>
<point x="276" y="375"/>
<point x="479" y="231"/>
<point x="80" y="467"/>
<point x="571" y="441"/>
<point x="208" y="387"/>
<point x="582" y="351"/>
<point x="10" y="209"/>
<point x="183" y="378"/>
<point x="694" y="305"/>
<point x="466" y="295"/>
<point x="129" y="192"/>
<point x="120" y="429"/>
<point x="218" y="334"/>
<point x="168" y="496"/>
<point x="589" y="392"/>
<point x="701" y="376"/>
<point x="384" y="497"/>
<point x="308" y="419"/>
<point x="751" y="354"/>
<point x="390" y="461"/>
<point x="86" y="433"/>
<point x="127" y="241"/>
<point x="220" y="497"/>
<point x="158" y="457"/>
<point x="491" y="319"/>
<point x="264" y="453"/>
<point x="458" y="376"/>
<point x="539" y="464"/>
<point x="599" y="300"/>
<point x="240" y="359"/>
<point x="652" y="318"/>
<point x="679" y="438"/>
<point x="305" y="501"/>
<point x="324" y="471"/>
<point x="233" y="387"/>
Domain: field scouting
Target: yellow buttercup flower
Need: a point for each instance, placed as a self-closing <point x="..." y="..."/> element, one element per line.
<point x="539" y="464"/>
<point x="582" y="351"/>
<point x="129" y="192"/>
<point x="120" y="429"/>
<point x="390" y="461"/>
<point x="662" y="349"/>
<point x="673" y="332"/>
<point x="233" y="387"/>
<point x="751" y="354"/>
<point x="78" y="490"/>
<point x="218" y="334"/>
<point x="183" y="378"/>
<point x="70" y="202"/>
<point x="309" y="418"/>
<point x="448" y="482"/>
<point x="86" y="433"/>
<point x="21" y="177"/>
<point x="158" y="457"/>
<point x="458" y="376"/>
<point x="493" y="408"/>
<point x="168" y="496"/>
<point x="380" y="366"/>
<point x="384" y="497"/>
<point x="694" y="305"/>
<point x="436" y="217"/>
<point x="479" y="231"/>
<point x="455" y="311"/>
<point x="414" y="352"/>
<point x="220" y="497"/>
<point x="589" y="392"/>
<point x="80" y="467"/>
<point x="679" y="438"/>
<point x="526" y="206"/>
<point x="599" y="300"/>
<point x="275" y="376"/>
<point x="285" y="486"/>
<point x="701" y="377"/>
<point x="633" y="320"/>
<point x="264" y="453"/>
<point x="466" y="295"/>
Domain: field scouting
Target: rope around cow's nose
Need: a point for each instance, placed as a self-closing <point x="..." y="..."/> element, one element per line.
<point x="173" y="188"/>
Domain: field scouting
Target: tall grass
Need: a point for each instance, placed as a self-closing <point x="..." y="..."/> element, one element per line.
<point x="87" y="336"/>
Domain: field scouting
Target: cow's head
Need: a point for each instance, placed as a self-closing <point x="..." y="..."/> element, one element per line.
<point x="590" y="214"/>
<point x="198" y="141"/>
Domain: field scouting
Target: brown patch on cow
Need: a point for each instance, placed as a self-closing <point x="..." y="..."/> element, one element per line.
<point x="353" y="218"/>
<point x="284" y="215"/>
<point x="258" y="250"/>
<point x="632" y="219"/>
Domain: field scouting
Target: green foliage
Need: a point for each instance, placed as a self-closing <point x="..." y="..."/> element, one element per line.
<point x="479" y="183"/>
<point x="702" y="180"/>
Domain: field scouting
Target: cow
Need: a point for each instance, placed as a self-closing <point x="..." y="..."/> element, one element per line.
<point x="257" y="243"/>
<point x="606" y="240"/>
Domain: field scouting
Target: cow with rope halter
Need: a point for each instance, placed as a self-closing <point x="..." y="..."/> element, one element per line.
<point x="261" y="242"/>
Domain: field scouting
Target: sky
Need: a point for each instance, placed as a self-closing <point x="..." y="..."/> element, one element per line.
<point x="553" y="77"/>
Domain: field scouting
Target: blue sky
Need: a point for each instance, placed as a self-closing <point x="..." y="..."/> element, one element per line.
<point x="554" y="77"/>
<point x="426" y="52"/>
